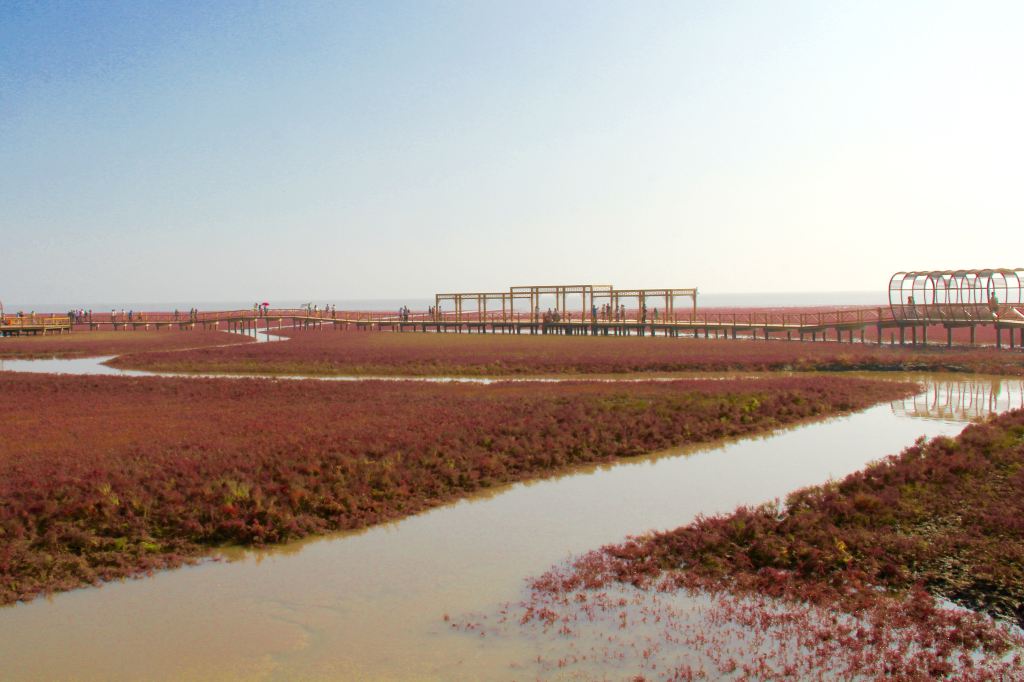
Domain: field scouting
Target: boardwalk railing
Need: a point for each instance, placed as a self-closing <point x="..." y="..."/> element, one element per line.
<point x="780" y="320"/>
<point x="12" y="322"/>
<point x="853" y="317"/>
<point x="966" y="314"/>
<point x="843" y="322"/>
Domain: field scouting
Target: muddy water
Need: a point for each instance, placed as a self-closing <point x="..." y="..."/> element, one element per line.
<point x="371" y="605"/>
<point x="85" y="366"/>
<point x="95" y="366"/>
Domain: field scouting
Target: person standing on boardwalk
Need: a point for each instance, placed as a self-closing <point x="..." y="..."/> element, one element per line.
<point x="993" y="305"/>
<point x="912" y="312"/>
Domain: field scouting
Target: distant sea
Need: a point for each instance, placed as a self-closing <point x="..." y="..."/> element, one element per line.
<point x="709" y="300"/>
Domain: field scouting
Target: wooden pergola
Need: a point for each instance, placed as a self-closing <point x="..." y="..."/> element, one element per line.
<point x="589" y="295"/>
<point x="481" y="299"/>
<point x="588" y="292"/>
<point x="669" y="296"/>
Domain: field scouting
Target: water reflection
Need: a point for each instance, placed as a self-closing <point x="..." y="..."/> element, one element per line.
<point x="962" y="400"/>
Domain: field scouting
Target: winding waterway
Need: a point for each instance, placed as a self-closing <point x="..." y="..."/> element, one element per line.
<point x="371" y="605"/>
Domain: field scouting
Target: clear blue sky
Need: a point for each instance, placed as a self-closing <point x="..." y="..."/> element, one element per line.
<point x="234" y="150"/>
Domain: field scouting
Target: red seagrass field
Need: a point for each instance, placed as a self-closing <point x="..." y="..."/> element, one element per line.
<point x="106" y="476"/>
<point x="328" y="352"/>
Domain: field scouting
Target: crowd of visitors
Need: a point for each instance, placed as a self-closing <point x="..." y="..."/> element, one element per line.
<point x="612" y="313"/>
<point x="80" y="315"/>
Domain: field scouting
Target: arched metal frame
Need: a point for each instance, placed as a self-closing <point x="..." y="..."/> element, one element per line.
<point x="958" y="296"/>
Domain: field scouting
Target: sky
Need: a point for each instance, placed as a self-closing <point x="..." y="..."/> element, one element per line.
<point x="173" y="151"/>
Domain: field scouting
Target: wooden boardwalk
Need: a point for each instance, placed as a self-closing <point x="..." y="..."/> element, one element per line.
<point x="845" y="325"/>
<point x="838" y="325"/>
<point x="918" y="301"/>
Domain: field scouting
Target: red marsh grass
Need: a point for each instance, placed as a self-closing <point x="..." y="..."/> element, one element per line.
<point x="384" y="353"/>
<point x="843" y="579"/>
<point x="91" y="344"/>
<point x="103" y="477"/>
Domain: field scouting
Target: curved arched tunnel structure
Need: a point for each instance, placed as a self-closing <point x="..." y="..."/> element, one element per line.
<point x="958" y="296"/>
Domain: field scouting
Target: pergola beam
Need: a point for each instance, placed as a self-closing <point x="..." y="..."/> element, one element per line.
<point x="481" y="299"/>
<point x="589" y="293"/>
<point x="560" y="291"/>
<point x="668" y="295"/>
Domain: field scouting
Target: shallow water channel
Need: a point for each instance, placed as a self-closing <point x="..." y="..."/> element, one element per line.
<point x="371" y="605"/>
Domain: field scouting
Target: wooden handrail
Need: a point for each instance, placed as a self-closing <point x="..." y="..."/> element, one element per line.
<point x="50" y="321"/>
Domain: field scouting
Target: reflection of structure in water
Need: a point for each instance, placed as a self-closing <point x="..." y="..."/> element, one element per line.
<point x="962" y="400"/>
